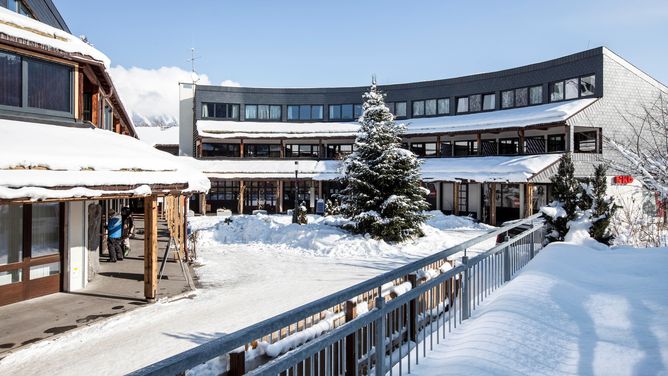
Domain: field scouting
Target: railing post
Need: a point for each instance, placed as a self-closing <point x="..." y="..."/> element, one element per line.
<point x="380" y="337"/>
<point x="237" y="363"/>
<point x="532" y="251"/>
<point x="413" y="310"/>
<point x="466" y="290"/>
<point x="506" y="264"/>
<point x="351" y="340"/>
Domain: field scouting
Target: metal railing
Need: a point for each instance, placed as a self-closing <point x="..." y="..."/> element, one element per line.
<point x="400" y="312"/>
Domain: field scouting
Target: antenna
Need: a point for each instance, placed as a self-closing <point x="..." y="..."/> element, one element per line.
<point x="194" y="75"/>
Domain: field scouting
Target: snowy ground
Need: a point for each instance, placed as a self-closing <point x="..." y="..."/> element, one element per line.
<point x="252" y="269"/>
<point x="573" y="310"/>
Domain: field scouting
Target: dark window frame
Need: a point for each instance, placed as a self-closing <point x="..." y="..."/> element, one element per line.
<point x="228" y="107"/>
<point x="354" y="109"/>
<point x="299" y="113"/>
<point x="257" y="112"/>
<point x="578" y="84"/>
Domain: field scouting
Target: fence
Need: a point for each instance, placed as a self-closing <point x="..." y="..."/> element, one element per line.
<point x="400" y="312"/>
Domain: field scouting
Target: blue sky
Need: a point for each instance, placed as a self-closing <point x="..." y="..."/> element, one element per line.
<point x="341" y="43"/>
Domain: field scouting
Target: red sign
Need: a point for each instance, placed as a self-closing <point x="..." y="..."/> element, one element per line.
<point x="623" y="179"/>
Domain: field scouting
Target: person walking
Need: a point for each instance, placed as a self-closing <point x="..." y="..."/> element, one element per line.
<point x="115" y="236"/>
<point x="128" y="229"/>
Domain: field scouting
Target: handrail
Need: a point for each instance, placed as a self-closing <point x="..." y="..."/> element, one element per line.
<point x="230" y="342"/>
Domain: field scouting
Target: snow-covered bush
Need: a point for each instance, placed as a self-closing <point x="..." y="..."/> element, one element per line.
<point x="567" y="192"/>
<point x="332" y="207"/>
<point x="302" y="219"/>
<point x="382" y="194"/>
<point x="601" y="206"/>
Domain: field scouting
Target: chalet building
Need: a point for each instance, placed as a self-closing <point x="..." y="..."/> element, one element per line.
<point x="490" y="142"/>
<point x="68" y="154"/>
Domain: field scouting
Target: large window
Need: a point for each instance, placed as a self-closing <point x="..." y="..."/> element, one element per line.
<point x="462" y="105"/>
<point x="345" y="111"/>
<point x="223" y="194"/>
<point x="45" y="229"/>
<point x="305" y="112"/>
<point x="302" y="151"/>
<point x="521" y="97"/>
<point x="586" y="142"/>
<point x="400" y="109"/>
<point x="262" y="112"/>
<point x="464" y="148"/>
<point x="587" y="85"/>
<point x="11" y="234"/>
<point x="475" y="103"/>
<point x="32" y="83"/>
<point x="262" y="151"/>
<point x="339" y="151"/>
<point x="221" y="150"/>
<point x="220" y="111"/>
<point x="418" y="108"/>
<point x="536" y="95"/>
<point x="508" y="146"/>
<point x="508" y="99"/>
<point x="571" y="88"/>
<point x="488" y="102"/>
<point x="443" y="106"/>
<point x="534" y="145"/>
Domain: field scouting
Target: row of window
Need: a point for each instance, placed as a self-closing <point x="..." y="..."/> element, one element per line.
<point x="584" y="142"/>
<point x="561" y="90"/>
<point x="17" y="6"/>
<point x="573" y="88"/>
<point x="33" y="83"/>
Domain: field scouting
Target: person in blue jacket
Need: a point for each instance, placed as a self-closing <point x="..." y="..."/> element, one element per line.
<point x="115" y="236"/>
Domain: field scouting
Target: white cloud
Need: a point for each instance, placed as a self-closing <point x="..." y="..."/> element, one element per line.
<point x="230" y="83"/>
<point x="151" y="96"/>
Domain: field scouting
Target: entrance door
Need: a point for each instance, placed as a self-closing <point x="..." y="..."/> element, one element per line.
<point x="507" y="202"/>
<point x="31" y="248"/>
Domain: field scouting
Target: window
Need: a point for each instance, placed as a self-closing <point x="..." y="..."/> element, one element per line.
<point x="430" y="107"/>
<point x="475" y="103"/>
<point x="262" y="151"/>
<point x="108" y="118"/>
<point x="464" y="148"/>
<point x="339" y="151"/>
<point x="463" y="198"/>
<point x="262" y="112"/>
<point x="508" y="99"/>
<point x="536" y="95"/>
<point x="400" y="109"/>
<point x="344" y="111"/>
<point x="418" y="108"/>
<point x="305" y="112"/>
<point x="221" y="150"/>
<point x="10" y="79"/>
<point x="489" y="147"/>
<point x="556" y="91"/>
<point x="302" y="151"/>
<point x="587" y="85"/>
<point x="556" y="143"/>
<point x="571" y="88"/>
<point x="521" y="97"/>
<point x="462" y="105"/>
<point x="508" y="146"/>
<point x="586" y="142"/>
<point x="223" y="190"/>
<point x="45" y="229"/>
<point x="11" y="235"/>
<point x="17" y="6"/>
<point x="220" y="111"/>
<point x="424" y="149"/>
<point x="446" y="149"/>
<point x="32" y="83"/>
<point x="488" y="102"/>
<point x="534" y="145"/>
<point x="443" y="106"/>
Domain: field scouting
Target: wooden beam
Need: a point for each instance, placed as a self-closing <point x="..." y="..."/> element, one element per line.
<point x="520" y="147"/>
<point x="279" y="196"/>
<point x="438" y="145"/>
<point x="528" y="197"/>
<point x="478" y="138"/>
<point x="151" y="248"/>
<point x="455" y="198"/>
<point x="240" y="204"/>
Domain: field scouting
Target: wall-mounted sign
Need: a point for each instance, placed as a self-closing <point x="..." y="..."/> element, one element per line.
<point x="623" y="179"/>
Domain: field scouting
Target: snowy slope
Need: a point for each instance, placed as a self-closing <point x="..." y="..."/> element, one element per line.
<point x="572" y="310"/>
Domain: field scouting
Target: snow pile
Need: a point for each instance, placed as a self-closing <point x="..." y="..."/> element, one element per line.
<point x="572" y="310"/>
<point x="19" y="26"/>
<point x="45" y="155"/>
<point x="511" y="118"/>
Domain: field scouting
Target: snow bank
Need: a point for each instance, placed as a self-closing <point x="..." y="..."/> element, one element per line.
<point x="572" y="310"/>
<point x="19" y="26"/>
<point x="511" y="118"/>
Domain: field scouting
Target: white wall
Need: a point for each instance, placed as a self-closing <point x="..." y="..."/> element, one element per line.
<point x="186" y="118"/>
<point x="76" y="255"/>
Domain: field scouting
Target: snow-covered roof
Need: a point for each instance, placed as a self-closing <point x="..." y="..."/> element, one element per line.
<point x="266" y="169"/>
<point x="158" y="135"/>
<point x="44" y="159"/>
<point x="515" y="169"/>
<point x="511" y="118"/>
<point x="16" y="25"/>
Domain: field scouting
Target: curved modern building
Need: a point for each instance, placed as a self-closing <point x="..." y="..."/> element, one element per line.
<point x="490" y="141"/>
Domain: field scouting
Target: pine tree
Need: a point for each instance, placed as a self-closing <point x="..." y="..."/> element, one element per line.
<point x="566" y="191"/>
<point x="382" y="194"/>
<point x="602" y="207"/>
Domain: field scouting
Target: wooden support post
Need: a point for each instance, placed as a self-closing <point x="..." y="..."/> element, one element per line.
<point x="282" y="151"/>
<point x="202" y="203"/>
<point x="237" y="363"/>
<point x="151" y="248"/>
<point x="492" y="204"/>
<point x="320" y="190"/>
<point x="455" y="198"/>
<point x="241" y="148"/>
<point x="351" y="350"/>
<point x="438" y="145"/>
<point x="413" y="310"/>
<point x="528" y="196"/>
<point x="520" y="147"/>
<point x="240" y="204"/>
<point x="279" y="196"/>
<point x="478" y="138"/>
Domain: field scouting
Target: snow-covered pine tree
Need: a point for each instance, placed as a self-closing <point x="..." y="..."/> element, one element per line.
<point x="602" y="207"/>
<point x="565" y="190"/>
<point x="382" y="194"/>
